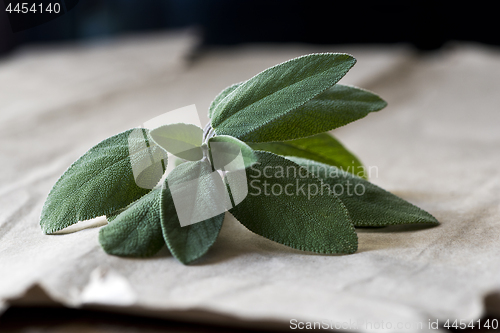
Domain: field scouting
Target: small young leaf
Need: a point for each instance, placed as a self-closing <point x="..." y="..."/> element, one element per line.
<point x="136" y="231"/>
<point x="100" y="182"/>
<point x="322" y="148"/>
<point x="221" y="96"/>
<point x="368" y="205"/>
<point x="182" y="140"/>
<point x="253" y="110"/>
<point x="225" y="149"/>
<point x="285" y="205"/>
<point x="190" y="242"/>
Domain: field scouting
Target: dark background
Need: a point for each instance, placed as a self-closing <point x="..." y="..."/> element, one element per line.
<point x="426" y="25"/>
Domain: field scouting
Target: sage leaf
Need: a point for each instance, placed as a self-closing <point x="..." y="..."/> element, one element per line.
<point x="178" y="161"/>
<point x="368" y="204"/>
<point x="199" y="199"/>
<point x="198" y="192"/>
<point x="110" y="217"/>
<point x="336" y="107"/>
<point x="103" y="180"/>
<point x="227" y="150"/>
<point x="322" y="148"/>
<point x="285" y="205"/>
<point x="182" y="140"/>
<point x="267" y="106"/>
<point x="136" y="231"/>
<point x="221" y="96"/>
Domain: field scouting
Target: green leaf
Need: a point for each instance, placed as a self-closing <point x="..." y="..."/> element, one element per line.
<point x="182" y="140"/>
<point x="190" y="242"/>
<point x="178" y="161"/>
<point x="368" y="204"/>
<point x="221" y="96"/>
<point x="282" y="206"/>
<point x="267" y="107"/>
<point x="336" y="107"/>
<point x="112" y="216"/>
<point x="322" y="148"/>
<point x="136" y="231"/>
<point x="225" y="149"/>
<point x="103" y="180"/>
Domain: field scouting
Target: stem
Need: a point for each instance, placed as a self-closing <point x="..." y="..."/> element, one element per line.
<point x="208" y="132"/>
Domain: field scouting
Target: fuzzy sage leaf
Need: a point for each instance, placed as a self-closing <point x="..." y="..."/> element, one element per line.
<point x="322" y="148"/>
<point x="335" y="107"/>
<point x="224" y="149"/>
<point x="190" y="242"/>
<point x="291" y="199"/>
<point x="198" y="192"/>
<point x="136" y="231"/>
<point x="182" y="140"/>
<point x="252" y="111"/>
<point x="221" y="96"/>
<point x="102" y="181"/>
<point x="295" y="217"/>
<point x="192" y="209"/>
<point x="370" y="206"/>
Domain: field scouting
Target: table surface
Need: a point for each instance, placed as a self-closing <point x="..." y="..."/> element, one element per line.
<point x="435" y="145"/>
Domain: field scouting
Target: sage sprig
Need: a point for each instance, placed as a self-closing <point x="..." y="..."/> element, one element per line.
<point x="265" y="157"/>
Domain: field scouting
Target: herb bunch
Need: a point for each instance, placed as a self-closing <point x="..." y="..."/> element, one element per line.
<point x="278" y="120"/>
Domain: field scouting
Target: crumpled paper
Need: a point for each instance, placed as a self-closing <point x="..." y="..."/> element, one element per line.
<point x="436" y="145"/>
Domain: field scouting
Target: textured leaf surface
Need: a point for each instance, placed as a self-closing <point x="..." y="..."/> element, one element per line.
<point x="267" y="106"/>
<point x="98" y="183"/>
<point x="318" y="223"/>
<point x="182" y="140"/>
<point x="336" y="107"/>
<point x="221" y="96"/>
<point x="190" y="242"/>
<point x="322" y="148"/>
<point x="111" y="216"/>
<point x="375" y="207"/>
<point x="136" y="231"/>
<point x="227" y="148"/>
<point x="198" y="192"/>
